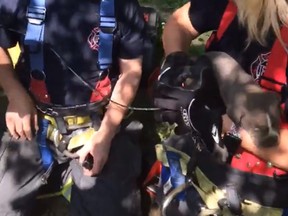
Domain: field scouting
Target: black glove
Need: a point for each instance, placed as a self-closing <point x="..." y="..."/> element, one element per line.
<point x="188" y="95"/>
<point x="172" y="67"/>
<point x="173" y="95"/>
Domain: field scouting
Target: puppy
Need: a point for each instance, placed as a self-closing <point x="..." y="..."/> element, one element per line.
<point x="247" y="104"/>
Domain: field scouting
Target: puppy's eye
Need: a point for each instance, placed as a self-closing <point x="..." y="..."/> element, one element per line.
<point x="262" y="130"/>
<point x="256" y="129"/>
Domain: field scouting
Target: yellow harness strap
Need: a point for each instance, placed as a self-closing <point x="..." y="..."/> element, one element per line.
<point x="209" y="192"/>
<point x="211" y="195"/>
<point x="73" y="122"/>
<point x="78" y="139"/>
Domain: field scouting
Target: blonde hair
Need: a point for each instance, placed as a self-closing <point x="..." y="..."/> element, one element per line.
<point x="261" y="16"/>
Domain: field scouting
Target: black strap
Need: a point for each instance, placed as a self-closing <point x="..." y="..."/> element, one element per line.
<point x="78" y="110"/>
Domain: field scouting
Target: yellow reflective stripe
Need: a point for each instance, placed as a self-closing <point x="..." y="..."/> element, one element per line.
<point x="66" y="191"/>
<point x="211" y="195"/>
<point x="46" y="196"/>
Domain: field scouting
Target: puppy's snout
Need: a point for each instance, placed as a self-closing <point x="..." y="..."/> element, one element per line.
<point x="265" y="137"/>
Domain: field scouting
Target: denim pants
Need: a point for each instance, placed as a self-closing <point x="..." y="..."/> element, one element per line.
<point x="112" y="193"/>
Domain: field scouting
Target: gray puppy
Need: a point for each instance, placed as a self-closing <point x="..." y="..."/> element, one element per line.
<point x="247" y="104"/>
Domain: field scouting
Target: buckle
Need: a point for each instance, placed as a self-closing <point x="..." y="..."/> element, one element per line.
<point x="47" y="110"/>
<point x="107" y="24"/>
<point x="38" y="75"/>
<point x="36" y="15"/>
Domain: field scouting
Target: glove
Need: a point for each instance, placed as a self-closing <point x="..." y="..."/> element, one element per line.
<point x="169" y="95"/>
<point x="172" y="66"/>
<point x="178" y="84"/>
<point x="185" y="94"/>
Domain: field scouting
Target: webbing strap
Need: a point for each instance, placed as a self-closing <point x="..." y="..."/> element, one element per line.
<point x="228" y="16"/>
<point x="46" y="154"/>
<point x="274" y="77"/>
<point x="34" y="39"/>
<point x="106" y="35"/>
<point x="176" y="176"/>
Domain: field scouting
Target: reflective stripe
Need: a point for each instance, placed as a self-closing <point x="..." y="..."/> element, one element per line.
<point x="66" y="190"/>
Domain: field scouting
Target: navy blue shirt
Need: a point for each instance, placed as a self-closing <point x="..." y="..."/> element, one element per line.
<point x="71" y="33"/>
<point x="205" y="15"/>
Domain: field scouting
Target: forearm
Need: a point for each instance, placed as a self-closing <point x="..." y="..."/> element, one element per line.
<point x="278" y="155"/>
<point x="178" y="32"/>
<point x="8" y="79"/>
<point x="123" y="93"/>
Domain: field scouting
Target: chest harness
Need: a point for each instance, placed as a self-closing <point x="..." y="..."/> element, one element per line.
<point x="227" y="189"/>
<point x="58" y="122"/>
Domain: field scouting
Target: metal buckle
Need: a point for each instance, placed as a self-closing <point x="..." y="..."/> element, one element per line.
<point x="36" y="15"/>
<point x="48" y="111"/>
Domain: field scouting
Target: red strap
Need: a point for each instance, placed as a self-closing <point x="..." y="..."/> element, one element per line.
<point x="102" y="89"/>
<point x="154" y="171"/>
<point x="39" y="90"/>
<point x="228" y="16"/>
<point x="276" y="66"/>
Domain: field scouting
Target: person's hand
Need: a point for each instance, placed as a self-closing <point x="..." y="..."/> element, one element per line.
<point x="174" y="104"/>
<point x="21" y="116"/>
<point x="169" y="95"/>
<point x="97" y="149"/>
<point x="172" y="67"/>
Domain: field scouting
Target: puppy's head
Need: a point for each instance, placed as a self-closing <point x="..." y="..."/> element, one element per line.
<point x="259" y="115"/>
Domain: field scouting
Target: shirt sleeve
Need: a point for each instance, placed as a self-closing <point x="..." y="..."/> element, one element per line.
<point x="205" y="15"/>
<point x="131" y="28"/>
<point x="9" y="10"/>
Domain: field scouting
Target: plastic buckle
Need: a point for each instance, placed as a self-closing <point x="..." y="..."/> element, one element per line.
<point x="36" y="15"/>
<point x="107" y="24"/>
